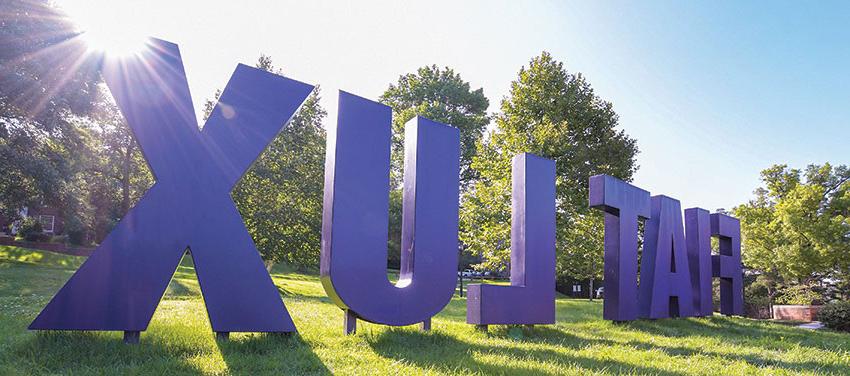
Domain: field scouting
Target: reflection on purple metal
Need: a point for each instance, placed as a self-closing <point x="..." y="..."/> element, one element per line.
<point x="698" y="228"/>
<point x="355" y="218"/>
<point x="727" y="265"/>
<point x="530" y="299"/>
<point x="121" y="283"/>
<point x="623" y="204"/>
<point x="665" y="282"/>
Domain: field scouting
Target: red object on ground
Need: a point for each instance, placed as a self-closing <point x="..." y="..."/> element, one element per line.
<point x="796" y="312"/>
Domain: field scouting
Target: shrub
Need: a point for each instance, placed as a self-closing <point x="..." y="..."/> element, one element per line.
<point x="76" y="230"/>
<point x="836" y="315"/>
<point x="799" y="294"/>
<point x="756" y="298"/>
<point x="31" y="230"/>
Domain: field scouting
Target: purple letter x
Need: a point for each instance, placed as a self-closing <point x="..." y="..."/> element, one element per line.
<point x="120" y="285"/>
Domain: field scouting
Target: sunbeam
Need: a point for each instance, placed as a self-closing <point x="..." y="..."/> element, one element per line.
<point x="103" y="27"/>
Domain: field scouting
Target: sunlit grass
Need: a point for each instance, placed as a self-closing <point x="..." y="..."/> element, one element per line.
<point x="179" y="340"/>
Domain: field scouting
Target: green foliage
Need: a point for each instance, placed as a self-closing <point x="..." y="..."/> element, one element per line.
<point x="55" y="149"/>
<point x="835" y="315"/>
<point x="121" y="176"/>
<point x="440" y="95"/>
<point x="45" y="79"/>
<point x="800" y="295"/>
<point x="394" y="239"/>
<point x="280" y="197"/>
<point x="758" y="293"/>
<point x="179" y="340"/>
<point x="555" y="114"/>
<point x="797" y="228"/>
<point x="31" y="230"/>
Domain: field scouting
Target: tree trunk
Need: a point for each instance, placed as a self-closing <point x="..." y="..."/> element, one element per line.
<point x="591" y="289"/>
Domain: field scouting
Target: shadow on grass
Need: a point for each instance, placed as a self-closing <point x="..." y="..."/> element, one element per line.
<point x="261" y="353"/>
<point x="79" y="352"/>
<point x="82" y="352"/>
<point x="753" y="359"/>
<point x="437" y="351"/>
<point x="180" y="288"/>
<point x="743" y="331"/>
<point x="45" y="259"/>
<point x="748" y="333"/>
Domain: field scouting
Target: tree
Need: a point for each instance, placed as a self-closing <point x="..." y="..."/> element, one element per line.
<point x="280" y="197"/>
<point x="796" y="231"/>
<point x="47" y="78"/>
<point x="440" y="95"/>
<point x="554" y="114"/>
<point x="121" y="176"/>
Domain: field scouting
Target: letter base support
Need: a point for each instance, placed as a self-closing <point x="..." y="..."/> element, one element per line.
<point x="350" y="322"/>
<point x="131" y="337"/>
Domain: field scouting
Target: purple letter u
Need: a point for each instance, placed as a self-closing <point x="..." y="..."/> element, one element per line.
<point x="355" y="216"/>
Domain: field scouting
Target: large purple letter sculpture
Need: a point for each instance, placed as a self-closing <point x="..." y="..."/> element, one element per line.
<point x="623" y="205"/>
<point x="530" y="299"/>
<point x="355" y="218"/>
<point x="698" y="236"/>
<point x="665" y="282"/>
<point x="120" y="285"/>
<point x="727" y="265"/>
<point x="676" y="270"/>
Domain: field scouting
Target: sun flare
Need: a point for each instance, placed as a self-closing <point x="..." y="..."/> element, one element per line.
<point x="105" y="26"/>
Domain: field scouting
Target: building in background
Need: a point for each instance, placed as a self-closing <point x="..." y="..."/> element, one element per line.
<point x="50" y="218"/>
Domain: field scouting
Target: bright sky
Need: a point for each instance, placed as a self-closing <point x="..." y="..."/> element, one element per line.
<point x="713" y="92"/>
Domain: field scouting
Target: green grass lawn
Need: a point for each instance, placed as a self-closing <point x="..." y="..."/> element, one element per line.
<point x="179" y="339"/>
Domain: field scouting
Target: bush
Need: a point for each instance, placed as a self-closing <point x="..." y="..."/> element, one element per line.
<point x="756" y="297"/>
<point x="800" y="294"/>
<point x="32" y="231"/>
<point x="76" y="230"/>
<point x="836" y="315"/>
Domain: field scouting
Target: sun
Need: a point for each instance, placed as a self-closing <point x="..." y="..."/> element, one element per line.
<point x="114" y="44"/>
<point x="106" y="26"/>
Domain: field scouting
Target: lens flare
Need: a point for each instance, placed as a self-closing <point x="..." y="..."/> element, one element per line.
<point x="105" y="26"/>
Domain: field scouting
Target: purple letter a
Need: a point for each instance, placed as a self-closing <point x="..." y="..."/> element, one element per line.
<point x="665" y="281"/>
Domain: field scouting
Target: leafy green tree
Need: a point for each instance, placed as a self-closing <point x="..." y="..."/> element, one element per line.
<point x="440" y="95"/>
<point x="47" y="78"/>
<point x="280" y="197"/>
<point x="120" y="176"/>
<point x="554" y="114"/>
<point x="796" y="231"/>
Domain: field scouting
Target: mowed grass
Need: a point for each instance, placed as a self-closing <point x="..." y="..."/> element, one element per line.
<point x="179" y="339"/>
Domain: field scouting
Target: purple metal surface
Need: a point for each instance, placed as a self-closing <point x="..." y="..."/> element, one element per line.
<point x="727" y="265"/>
<point x="356" y="208"/>
<point x="698" y="228"/>
<point x="665" y="282"/>
<point x="623" y="205"/>
<point x="530" y="299"/>
<point x="189" y="206"/>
